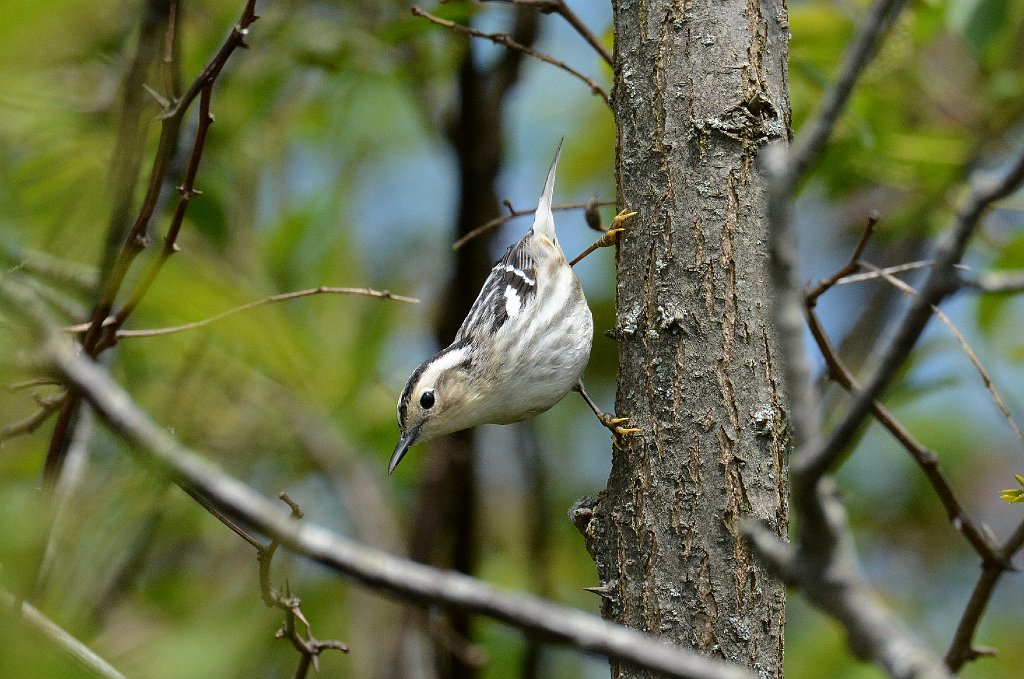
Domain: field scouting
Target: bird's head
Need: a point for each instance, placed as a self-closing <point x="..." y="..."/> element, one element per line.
<point x="437" y="400"/>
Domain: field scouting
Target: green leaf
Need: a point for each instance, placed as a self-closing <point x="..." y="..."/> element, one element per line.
<point x="1014" y="495"/>
<point x="976" y="21"/>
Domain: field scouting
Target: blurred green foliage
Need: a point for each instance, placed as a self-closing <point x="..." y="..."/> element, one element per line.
<point x="327" y="165"/>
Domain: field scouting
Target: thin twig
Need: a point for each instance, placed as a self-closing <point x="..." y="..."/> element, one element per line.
<point x="136" y="240"/>
<point x="186" y="192"/>
<point x="309" y="647"/>
<point x="408" y="580"/>
<point x="898" y="268"/>
<point x="962" y="649"/>
<point x="851" y="266"/>
<point x="940" y="282"/>
<point x="216" y="513"/>
<point x="34" y="382"/>
<point x="997" y="282"/>
<point x="925" y="458"/>
<point x="964" y="345"/>
<point x="31" y="423"/>
<point x="285" y="296"/>
<point x="514" y="214"/>
<point x="64" y="640"/>
<point x="561" y="8"/>
<point x="506" y="41"/>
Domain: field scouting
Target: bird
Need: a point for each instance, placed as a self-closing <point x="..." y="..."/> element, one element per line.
<point x="522" y="347"/>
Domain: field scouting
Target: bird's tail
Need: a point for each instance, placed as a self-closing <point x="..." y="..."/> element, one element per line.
<point x="544" y="220"/>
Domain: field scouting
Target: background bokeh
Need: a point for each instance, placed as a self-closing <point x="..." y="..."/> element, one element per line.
<point x="328" y="164"/>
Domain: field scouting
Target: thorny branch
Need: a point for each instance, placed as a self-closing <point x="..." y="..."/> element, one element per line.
<point x="308" y="646"/>
<point x="136" y="240"/>
<point x="505" y="40"/>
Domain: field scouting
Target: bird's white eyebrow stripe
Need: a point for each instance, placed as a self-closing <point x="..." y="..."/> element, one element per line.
<point x="522" y="274"/>
<point x="450" y="359"/>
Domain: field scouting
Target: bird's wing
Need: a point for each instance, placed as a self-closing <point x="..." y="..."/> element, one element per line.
<point x="508" y="290"/>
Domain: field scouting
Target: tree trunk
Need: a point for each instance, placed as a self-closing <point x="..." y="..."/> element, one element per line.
<point x="700" y="88"/>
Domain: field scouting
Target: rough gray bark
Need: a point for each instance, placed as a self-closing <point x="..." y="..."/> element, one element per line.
<point x="700" y="88"/>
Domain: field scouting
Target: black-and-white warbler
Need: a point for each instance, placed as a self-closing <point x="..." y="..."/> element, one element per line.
<point x="523" y="345"/>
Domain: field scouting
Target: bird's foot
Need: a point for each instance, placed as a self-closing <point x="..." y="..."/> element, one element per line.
<point x="610" y="237"/>
<point x="614" y="426"/>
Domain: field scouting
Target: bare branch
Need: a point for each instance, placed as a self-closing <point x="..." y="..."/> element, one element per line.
<point x="815" y="133"/>
<point x="824" y="563"/>
<point x="899" y="268"/>
<point x="135" y="240"/>
<point x="71" y="646"/>
<point x="308" y="646"/>
<point x="940" y="282"/>
<point x="964" y="345"/>
<point x="31" y="423"/>
<point x="172" y="118"/>
<point x="506" y="41"/>
<point x="996" y="282"/>
<point x="962" y="649"/>
<point x="186" y="192"/>
<point x="925" y="458"/>
<point x="514" y="214"/>
<point x="283" y="297"/>
<point x="561" y="8"/>
<point x="826" y="569"/>
<point x="399" y="577"/>
<point x="851" y="266"/>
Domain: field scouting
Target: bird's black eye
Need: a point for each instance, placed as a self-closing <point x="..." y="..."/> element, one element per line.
<point x="427" y="399"/>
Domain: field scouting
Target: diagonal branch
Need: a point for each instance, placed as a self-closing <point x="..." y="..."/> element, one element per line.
<point x="826" y="569"/>
<point x="964" y="345"/>
<point x="505" y="40"/>
<point x="398" y="577"/>
<point x="962" y="648"/>
<point x="925" y="458"/>
<point x="70" y="645"/>
<point x="940" y="282"/>
<point x="815" y="133"/>
<point x="561" y="8"/>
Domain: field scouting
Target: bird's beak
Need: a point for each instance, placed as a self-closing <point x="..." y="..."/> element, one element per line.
<point x="404" y="443"/>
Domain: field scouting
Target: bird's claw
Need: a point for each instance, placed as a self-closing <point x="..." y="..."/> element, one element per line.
<point x="611" y="236"/>
<point x="612" y="423"/>
<point x="621" y="217"/>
